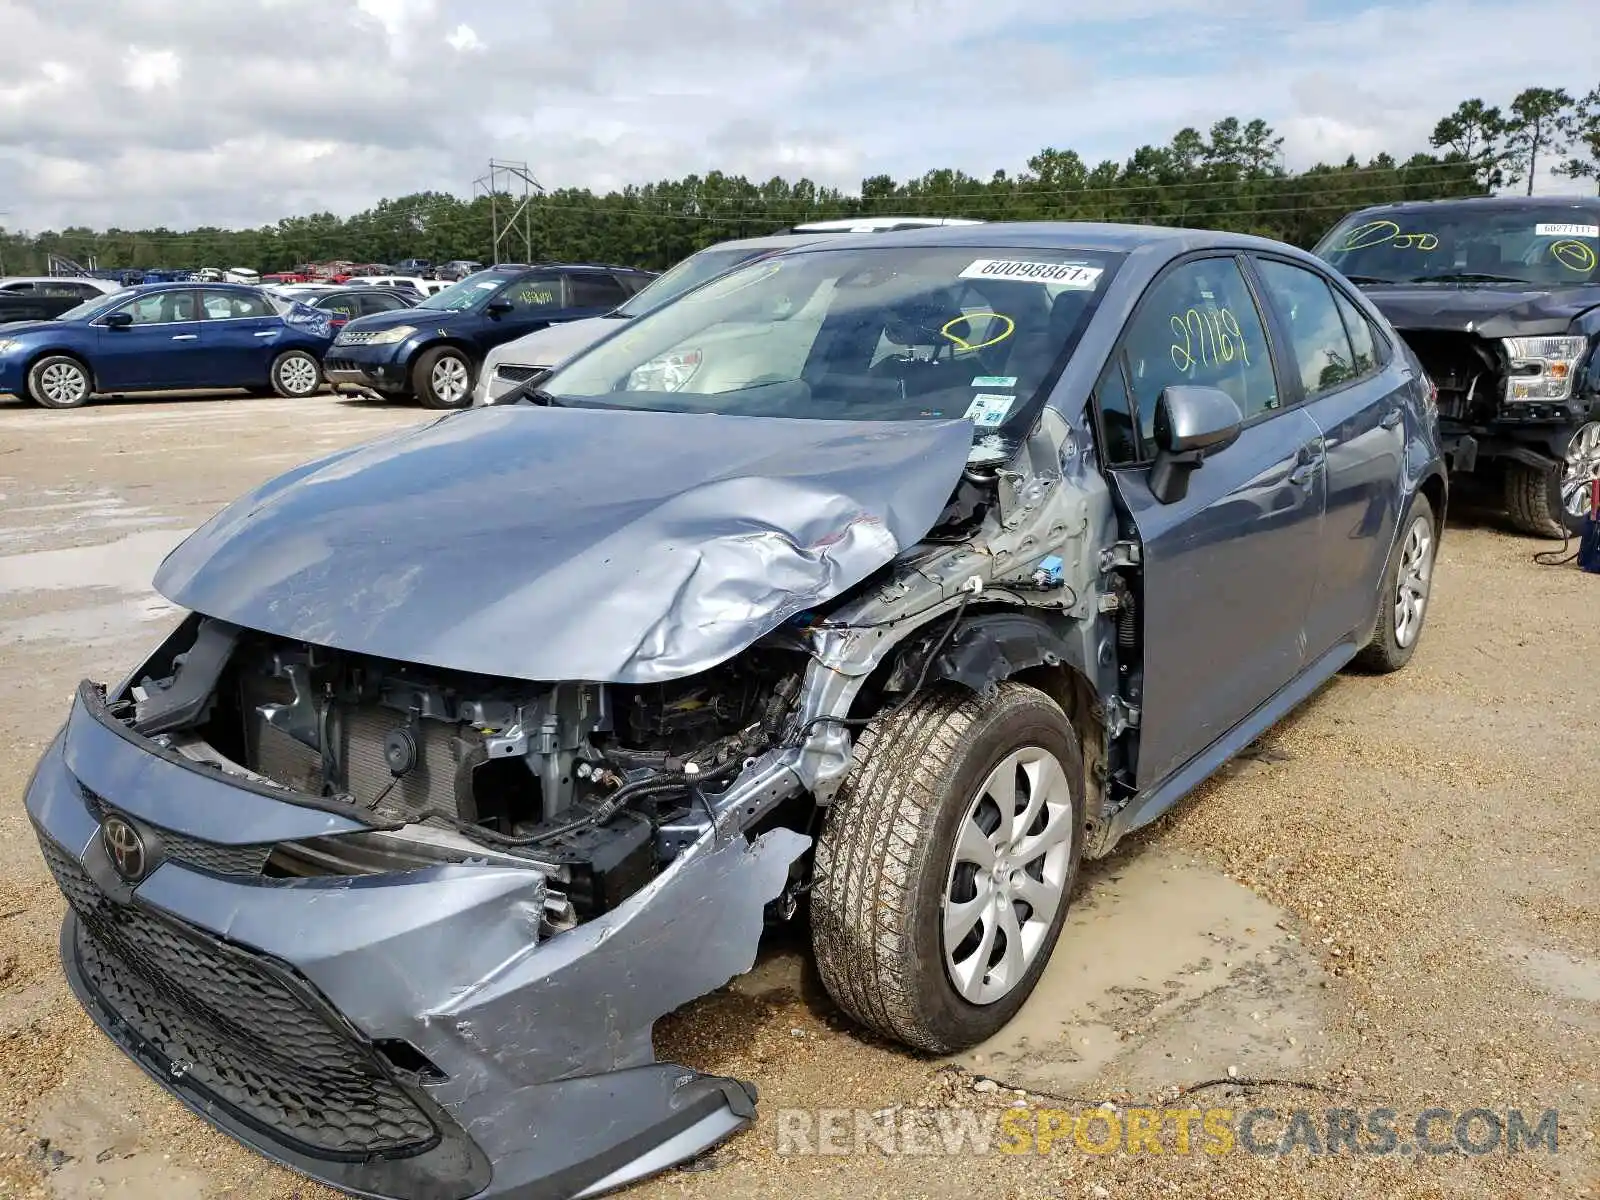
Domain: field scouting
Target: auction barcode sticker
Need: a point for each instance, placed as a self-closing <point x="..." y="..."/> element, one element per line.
<point x="1070" y="275"/>
<point x="1583" y="231"/>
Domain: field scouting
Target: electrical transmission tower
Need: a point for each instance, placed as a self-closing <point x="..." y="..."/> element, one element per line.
<point x="511" y="189"/>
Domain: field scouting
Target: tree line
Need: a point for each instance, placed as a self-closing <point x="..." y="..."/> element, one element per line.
<point x="1229" y="177"/>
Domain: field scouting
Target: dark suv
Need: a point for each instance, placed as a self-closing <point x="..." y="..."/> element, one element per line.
<point x="1500" y="299"/>
<point x="433" y="351"/>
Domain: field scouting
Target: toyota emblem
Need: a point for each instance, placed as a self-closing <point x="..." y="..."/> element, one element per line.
<point x="126" y="848"/>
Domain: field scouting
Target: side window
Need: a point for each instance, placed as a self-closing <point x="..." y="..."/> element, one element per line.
<point x="1321" y="346"/>
<point x="340" y="306"/>
<point x="19" y="289"/>
<point x="1363" y="341"/>
<point x="378" y="303"/>
<point x="594" y="290"/>
<point x="632" y="281"/>
<point x="534" y="294"/>
<point x="227" y="306"/>
<point x="1199" y="326"/>
<point x="162" y="308"/>
<point x="1120" y="440"/>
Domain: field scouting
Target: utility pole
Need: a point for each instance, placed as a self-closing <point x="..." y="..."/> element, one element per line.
<point x="511" y="189"/>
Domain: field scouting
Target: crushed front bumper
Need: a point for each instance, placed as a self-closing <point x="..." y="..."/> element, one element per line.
<point x="376" y="368"/>
<point x="402" y="1035"/>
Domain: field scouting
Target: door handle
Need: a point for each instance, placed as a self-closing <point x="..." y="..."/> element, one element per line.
<point x="1391" y="418"/>
<point x="184" y="337"/>
<point x="267" y="333"/>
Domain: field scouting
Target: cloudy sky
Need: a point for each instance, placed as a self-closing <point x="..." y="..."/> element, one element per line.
<point x="236" y="112"/>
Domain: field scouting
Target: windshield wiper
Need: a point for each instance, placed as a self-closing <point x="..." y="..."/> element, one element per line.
<point x="1467" y="277"/>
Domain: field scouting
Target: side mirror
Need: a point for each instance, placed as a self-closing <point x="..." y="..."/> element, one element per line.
<point x="498" y="307"/>
<point x="1190" y="423"/>
<point x="119" y="320"/>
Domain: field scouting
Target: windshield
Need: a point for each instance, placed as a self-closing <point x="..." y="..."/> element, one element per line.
<point x="469" y="293"/>
<point x="912" y="333"/>
<point x="99" y="304"/>
<point x="1460" y="243"/>
<point x="690" y="273"/>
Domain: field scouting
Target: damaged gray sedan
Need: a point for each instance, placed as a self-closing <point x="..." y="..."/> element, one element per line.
<point x="875" y="585"/>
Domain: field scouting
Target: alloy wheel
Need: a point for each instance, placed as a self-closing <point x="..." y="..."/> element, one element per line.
<point x="1581" y="468"/>
<point x="298" y="375"/>
<point x="63" y="384"/>
<point x="1008" y="875"/>
<point x="1415" y="577"/>
<point x="449" y="379"/>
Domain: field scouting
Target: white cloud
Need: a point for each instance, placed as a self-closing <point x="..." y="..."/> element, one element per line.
<point x="243" y="112"/>
<point x="464" y="38"/>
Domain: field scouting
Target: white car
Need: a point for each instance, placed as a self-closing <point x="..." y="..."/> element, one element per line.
<point x="512" y="364"/>
<point x="406" y="283"/>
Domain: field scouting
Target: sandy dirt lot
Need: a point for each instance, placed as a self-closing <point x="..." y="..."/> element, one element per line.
<point x="1390" y="902"/>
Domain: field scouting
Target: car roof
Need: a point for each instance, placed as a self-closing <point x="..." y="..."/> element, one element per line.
<point x="110" y="285"/>
<point x="1495" y="203"/>
<point x="1051" y="235"/>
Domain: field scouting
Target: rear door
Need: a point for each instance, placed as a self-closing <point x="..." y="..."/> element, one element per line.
<point x="161" y="349"/>
<point x="239" y="335"/>
<point x="593" y="293"/>
<point x="1359" y="407"/>
<point x="1229" y="570"/>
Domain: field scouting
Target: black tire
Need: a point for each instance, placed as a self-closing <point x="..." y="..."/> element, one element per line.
<point x="423" y="378"/>
<point x="885" y="855"/>
<point x="48" y="382"/>
<point x="1533" y="495"/>
<point x="1385" y="653"/>
<point x="296" y="374"/>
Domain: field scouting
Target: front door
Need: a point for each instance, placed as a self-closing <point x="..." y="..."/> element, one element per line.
<point x="1229" y="570"/>
<point x="536" y="301"/>
<point x="160" y="349"/>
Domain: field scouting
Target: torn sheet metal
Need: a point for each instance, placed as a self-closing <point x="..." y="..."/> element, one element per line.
<point x="550" y="544"/>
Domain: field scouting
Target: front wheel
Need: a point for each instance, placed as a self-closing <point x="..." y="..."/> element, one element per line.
<point x="442" y="378"/>
<point x="1553" y="501"/>
<point x="1407" y="588"/>
<point x="946" y="862"/>
<point x="296" y="374"/>
<point x="59" y="382"/>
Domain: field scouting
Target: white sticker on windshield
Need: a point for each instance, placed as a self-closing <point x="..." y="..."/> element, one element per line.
<point x="1069" y="275"/>
<point x="987" y="410"/>
<point x="995" y="381"/>
<point x="486" y="287"/>
<point x="1583" y="231"/>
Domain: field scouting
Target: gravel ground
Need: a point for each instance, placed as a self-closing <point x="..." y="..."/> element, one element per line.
<point x="1392" y="899"/>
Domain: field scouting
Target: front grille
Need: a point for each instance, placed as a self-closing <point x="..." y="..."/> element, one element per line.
<point x="248" y="859"/>
<point x="509" y="373"/>
<point x="341" y="364"/>
<point x="244" y="1029"/>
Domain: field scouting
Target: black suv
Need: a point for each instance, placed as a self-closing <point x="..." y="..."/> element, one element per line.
<point x="434" y="350"/>
<point x="1500" y="299"/>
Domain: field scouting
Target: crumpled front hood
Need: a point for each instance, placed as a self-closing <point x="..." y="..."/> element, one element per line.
<point x="584" y="544"/>
<point x="1492" y="311"/>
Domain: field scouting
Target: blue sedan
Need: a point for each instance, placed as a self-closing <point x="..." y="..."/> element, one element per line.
<point x="165" y="336"/>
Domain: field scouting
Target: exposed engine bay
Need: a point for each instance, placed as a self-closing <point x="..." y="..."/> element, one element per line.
<point x="1468" y="370"/>
<point x="574" y="778"/>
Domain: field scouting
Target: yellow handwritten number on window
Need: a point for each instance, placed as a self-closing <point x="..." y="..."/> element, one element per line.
<point x="1206" y="338"/>
<point x="1376" y="233"/>
<point x="537" y="296"/>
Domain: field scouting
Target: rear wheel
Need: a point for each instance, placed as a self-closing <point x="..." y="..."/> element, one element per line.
<point x="59" y="381"/>
<point x="442" y="378"/>
<point x="296" y="374"/>
<point x="944" y="869"/>
<point x="1407" y="588"/>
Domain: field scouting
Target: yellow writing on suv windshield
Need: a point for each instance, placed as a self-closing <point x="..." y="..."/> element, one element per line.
<point x="1377" y="233"/>
<point x="1010" y="327"/>
<point x="1574" y="255"/>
